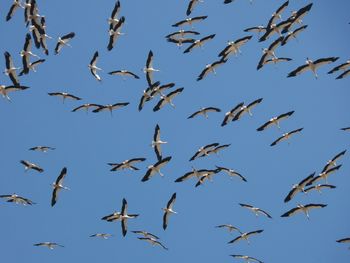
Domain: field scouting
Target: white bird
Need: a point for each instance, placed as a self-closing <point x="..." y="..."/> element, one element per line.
<point x="302" y="208"/>
<point x="269" y="52"/>
<point x="191" y="5"/>
<point x="233" y="47"/>
<point x="231" y="172"/>
<point x="28" y="165"/>
<point x="14" y="198"/>
<point x="127" y="164"/>
<point x="13" y="8"/>
<point x="286" y="136"/>
<point x="204" y="112"/>
<point x="111" y="107"/>
<point x="102" y="235"/>
<point x="157" y="142"/>
<point x="63" y="41"/>
<point x="11" y="69"/>
<point x="5" y="90"/>
<point x="204" y="151"/>
<point x="189" y="21"/>
<point x="245" y="236"/>
<point x="299" y="187"/>
<point x="42" y="148"/>
<point x="155" y="168"/>
<point x="64" y="96"/>
<point x="124" y="73"/>
<point x="199" y="43"/>
<point x="211" y="68"/>
<point x="324" y="175"/>
<point x="168" y="210"/>
<point x="93" y="68"/>
<point x="293" y="34"/>
<point x="275" y="121"/>
<point x="124" y="216"/>
<point x="167" y="99"/>
<point x="333" y="162"/>
<point x="148" y="69"/>
<point x="229" y="228"/>
<point x="255" y="210"/>
<point x="114" y="33"/>
<point x="246" y="108"/>
<point x="153" y="241"/>
<point x="231" y="114"/>
<point x="50" y="245"/>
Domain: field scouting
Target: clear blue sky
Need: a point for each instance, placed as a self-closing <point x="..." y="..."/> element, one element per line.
<point x="85" y="143"/>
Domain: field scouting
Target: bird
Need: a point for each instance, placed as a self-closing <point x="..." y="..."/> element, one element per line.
<point x="256" y="210"/>
<point x="110" y="107"/>
<point x="168" y="210"/>
<point x="189" y="21"/>
<point x="296" y="17"/>
<point x="247" y="258"/>
<point x="42" y="148"/>
<point x="344" y="66"/>
<point x="25" y="54"/>
<point x="274" y="60"/>
<point x="218" y="148"/>
<point x="256" y="29"/>
<point x="344" y="240"/>
<point x="13" y="8"/>
<point x="32" y="66"/>
<point x="167" y="99"/>
<point x="158" y="89"/>
<point x="246" y="108"/>
<point x="318" y="187"/>
<point x="113" y="19"/>
<point x="64" y="96"/>
<point x="199" y="43"/>
<point x="58" y="185"/>
<point x="195" y="173"/>
<point x="312" y="65"/>
<point x="333" y="162"/>
<point x="145" y="234"/>
<point x="204" y="112"/>
<point x="155" y="168"/>
<point x="303" y="208"/>
<point x="86" y="106"/>
<point x="229" y="227"/>
<point x="344" y="74"/>
<point x="345" y="129"/>
<point x="147" y="95"/>
<point x="14" y="198"/>
<point x="153" y="241"/>
<point x="124" y="216"/>
<point x="286" y="136"/>
<point x="28" y="165"/>
<point x="211" y="68"/>
<point x="245" y="236"/>
<point x="102" y="235"/>
<point x="231" y="172"/>
<point x="293" y="34"/>
<point x="148" y="69"/>
<point x="93" y="68"/>
<point x="191" y="5"/>
<point x="127" y="164"/>
<point x="275" y="120"/>
<point x="204" y="151"/>
<point x="269" y="52"/>
<point x="180" y="41"/>
<point x="275" y="28"/>
<point x="115" y="216"/>
<point x="114" y="33"/>
<point x="124" y="73"/>
<point x="63" y="41"/>
<point x="277" y="14"/>
<point x="181" y="33"/>
<point x="50" y="245"/>
<point x="157" y="142"/>
<point x="5" y="90"/>
<point x="299" y="187"/>
<point x="206" y="176"/>
<point x="324" y="175"/>
<point x="234" y="46"/>
<point x="231" y="114"/>
<point x="11" y="69"/>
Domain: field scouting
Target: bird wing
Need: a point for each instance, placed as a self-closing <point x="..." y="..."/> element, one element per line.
<point x="325" y="61"/>
<point x="291" y="194"/>
<point x="165" y="219"/>
<point x="54" y="195"/>
<point x="190" y="6"/>
<point x="160" y="104"/>
<point x="344" y="74"/>
<point x="171" y="201"/>
<point x="291" y="212"/>
<point x="298" y="70"/>
<point x="94" y="59"/>
<point x="115" y="10"/>
<point x="124" y="226"/>
<point x="60" y="178"/>
<point x="278" y="140"/>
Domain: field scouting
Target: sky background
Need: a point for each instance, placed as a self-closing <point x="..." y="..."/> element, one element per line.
<point x="85" y="143"/>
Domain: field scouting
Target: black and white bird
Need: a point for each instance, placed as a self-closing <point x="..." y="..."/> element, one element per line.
<point x="50" y="245"/>
<point x="312" y="65"/>
<point x="153" y="241"/>
<point x="63" y="41"/>
<point x="191" y="5"/>
<point x="148" y="69"/>
<point x="333" y="162"/>
<point x="93" y="68"/>
<point x="124" y="216"/>
<point x="31" y="166"/>
<point x="286" y="136"/>
<point x="189" y="21"/>
<point x="124" y="73"/>
<point x="196" y="174"/>
<point x="204" y="112"/>
<point x="127" y="164"/>
<point x="297" y="17"/>
<point x="42" y="148"/>
<point x="113" y="19"/>
<point x="26" y="53"/>
<point x="145" y="234"/>
<point x="245" y="236"/>
<point x="324" y="175"/>
<point x="114" y="33"/>
<point x="167" y="99"/>
<point x="64" y="96"/>
<point x="204" y="151"/>
<point x="199" y="43"/>
<point x="11" y="69"/>
<point x="158" y="89"/>
<point x="155" y="168"/>
<point x="32" y="66"/>
<point x="256" y="29"/>
<point x="86" y="107"/>
<point x="344" y="66"/>
<point x="102" y="235"/>
<point x="230" y="228"/>
<point x="168" y="210"/>
<point x="247" y="259"/>
<point x="111" y="107"/>
<point x="246" y="108"/>
<point x="303" y="208"/>
<point x="319" y="187"/>
<point x="15" y="5"/>
<point x="299" y="187"/>
<point x="147" y="94"/>
<point x="229" y="116"/>
<point x="181" y="33"/>
<point x="275" y="28"/>
<point x="5" y="90"/>
<point x="157" y="142"/>
<point x="218" y="148"/>
<point x="233" y="47"/>
<point x="231" y="172"/>
<point x="346" y="73"/>
<point x="275" y="121"/>
<point x="211" y="68"/>
<point x="255" y="210"/>
<point x="269" y="52"/>
<point x="180" y="41"/>
<point x="293" y="34"/>
<point x="274" y="60"/>
<point x="14" y="198"/>
<point x="58" y="185"/>
<point x="277" y="14"/>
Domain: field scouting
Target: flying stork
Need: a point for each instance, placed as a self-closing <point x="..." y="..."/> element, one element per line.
<point x="319" y="187"/>
<point x="14" y="198"/>
<point x="181" y="33"/>
<point x="124" y="216"/>
<point x="312" y="65"/>
<point x="93" y="68"/>
<point x="113" y="19"/>
<point x="277" y="14"/>
<point x="168" y="210"/>
<point x="28" y="165"/>
<point x="333" y="162"/>
<point x="86" y="106"/>
<point x="231" y="172"/>
<point x="296" y="17"/>
<point x="11" y="69"/>
<point x="275" y="121"/>
<point x="247" y="259"/>
<point x="167" y="99"/>
<point x="199" y="43"/>
<point x="63" y="41"/>
<point x="127" y="164"/>
<point x="231" y="114"/>
<point x="155" y="168"/>
<point x="111" y="107"/>
<point x="145" y="234"/>
<point x="303" y="208"/>
<point x="153" y="241"/>
<point x="211" y="68"/>
<point x="26" y="53"/>
<point x="204" y="112"/>
<point x="269" y="52"/>
<point x="13" y="8"/>
<point x="102" y="235"/>
<point x="204" y="151"/>
<point x="230" y="228"/>
<point x="293" y="34"/>
<point x="191" y="5"/>
<point x="246" y="108"/>
<point x="299" y="187"/>
<point x="43" y="149"/>
<point x="195" y="173"/>
<point x="148" y="69"/>
<point x="31" y="66"/>
<point x="114" y="33"/>
<point x="157" y="142"/>
<point x="50" y="245"/>
<point x="255" y="210"/>
<point x="234" y="47"/>
<point x="286" y="136"/>
<point x="64" y="95"/>
<point x="189" y="21"/>
<point x="324" y="175"/>
<point x="4" y="90"/>
<point x="58" y="185"/>
<point x="245" y="236"/>
<point x="124" y="73"/>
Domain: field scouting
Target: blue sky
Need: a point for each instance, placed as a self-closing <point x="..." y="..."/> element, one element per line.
<point x="85" y="143"/>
